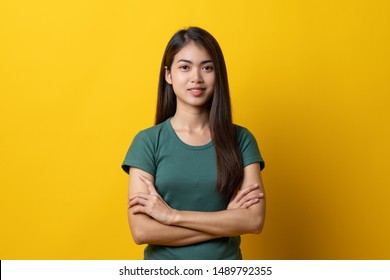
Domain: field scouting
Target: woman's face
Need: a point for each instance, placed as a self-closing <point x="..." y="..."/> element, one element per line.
<point x="192" y="76"/>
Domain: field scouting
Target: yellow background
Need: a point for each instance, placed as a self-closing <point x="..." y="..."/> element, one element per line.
<point x="310" y="79"/>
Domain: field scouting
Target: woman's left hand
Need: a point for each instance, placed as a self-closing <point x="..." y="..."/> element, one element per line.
<point x="246" y="198"/>
<point x="151" y="204"/>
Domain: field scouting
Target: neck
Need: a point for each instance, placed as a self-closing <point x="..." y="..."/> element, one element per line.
<point x="190" y="120"/>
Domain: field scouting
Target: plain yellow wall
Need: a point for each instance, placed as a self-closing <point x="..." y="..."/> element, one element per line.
<point x="310" y="79"/>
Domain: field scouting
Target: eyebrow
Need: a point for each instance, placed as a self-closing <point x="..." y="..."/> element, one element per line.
<point x="190" y="62"/>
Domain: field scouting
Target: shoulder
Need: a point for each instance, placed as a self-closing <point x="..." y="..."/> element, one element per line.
<point x="142" y="151"/>
<point x="155" y="129"/>
<point x="243" y="134"/>
<point x="241" y="129"/>
<point x="151" y="134"/>
<point x="248" y="146"/>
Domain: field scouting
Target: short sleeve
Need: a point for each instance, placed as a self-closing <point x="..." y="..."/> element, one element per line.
<point x="249" y="149"/>
<point x="140" y="154"/>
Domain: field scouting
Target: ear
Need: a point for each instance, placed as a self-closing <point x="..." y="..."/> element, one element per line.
<point x="168" y="76"/>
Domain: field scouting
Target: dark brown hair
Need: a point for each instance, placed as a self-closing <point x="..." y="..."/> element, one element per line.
<point x="229" y="159"/>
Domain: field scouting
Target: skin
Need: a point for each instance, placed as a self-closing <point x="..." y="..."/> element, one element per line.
<point x="151" y="220"/>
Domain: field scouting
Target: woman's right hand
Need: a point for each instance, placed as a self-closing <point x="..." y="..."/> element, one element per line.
<point x="151" y="204"/>
<point x="246" y="197"/>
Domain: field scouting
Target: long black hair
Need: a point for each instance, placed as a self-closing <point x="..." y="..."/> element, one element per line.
<point x="229" y="160"/>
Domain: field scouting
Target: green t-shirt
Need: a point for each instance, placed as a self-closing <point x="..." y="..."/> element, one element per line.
<point x="185" y="178"/>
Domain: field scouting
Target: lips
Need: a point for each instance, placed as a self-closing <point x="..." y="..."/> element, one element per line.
<point x="196" y="91"/>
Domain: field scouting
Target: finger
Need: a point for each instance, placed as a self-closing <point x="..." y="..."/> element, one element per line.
<point x="241" y="194"/>
<point x="247" y="190"/>
<point x="250" y="203"/>
<point x="261" y="195"/>
<point x="251" y="196"/>
<point x="247" y="198"/>
<point x="139" y="197"/>
<point x="137" y="201"/>
<point x="138" y="209"/>
<point x="142" y="195"/>
<point x="251" y="189"/>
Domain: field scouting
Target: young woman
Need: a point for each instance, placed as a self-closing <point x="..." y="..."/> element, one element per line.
<point x="195" y="183"/>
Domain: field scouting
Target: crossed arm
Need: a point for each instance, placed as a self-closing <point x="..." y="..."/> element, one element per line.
<point x="152" y="221"/>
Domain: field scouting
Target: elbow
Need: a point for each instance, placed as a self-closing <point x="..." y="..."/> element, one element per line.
<point x="138" y="241"/>
<point x="258" y="219"/>
<point x="137" y="232"/>
<point x="256" y="227"/>
<point x="138" y="236"/>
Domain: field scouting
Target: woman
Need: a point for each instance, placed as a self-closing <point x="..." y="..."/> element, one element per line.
<point x="195" y="183"/>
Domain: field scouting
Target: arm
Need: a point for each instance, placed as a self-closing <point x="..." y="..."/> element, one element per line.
<point x="230" y="222"/>
<point x="146" y="230"/>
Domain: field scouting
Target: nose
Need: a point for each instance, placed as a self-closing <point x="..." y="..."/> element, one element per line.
<point x="196" y="76"/>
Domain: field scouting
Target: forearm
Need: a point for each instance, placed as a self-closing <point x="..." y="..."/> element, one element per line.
<point x="223" y="223"/>
<point x="206" y="225"/>
<point x="146" y="230"/>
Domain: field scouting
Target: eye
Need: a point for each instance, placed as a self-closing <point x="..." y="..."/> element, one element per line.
<point x="184" y="67"/>
<point x="208" y="68"/>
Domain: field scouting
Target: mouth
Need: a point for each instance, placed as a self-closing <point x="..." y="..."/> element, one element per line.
<point x="196" y="91"/>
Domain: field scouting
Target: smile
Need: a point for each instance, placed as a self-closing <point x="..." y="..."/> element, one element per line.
<point x="196" y="91"/>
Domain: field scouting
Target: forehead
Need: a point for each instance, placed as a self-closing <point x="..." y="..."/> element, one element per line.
<point x="193" y="53"/>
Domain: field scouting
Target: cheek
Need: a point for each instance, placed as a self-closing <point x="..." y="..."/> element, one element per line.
<point x="178" y="83"/>
<point x="178" y="78"/>
<point x="211" y="80"/>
